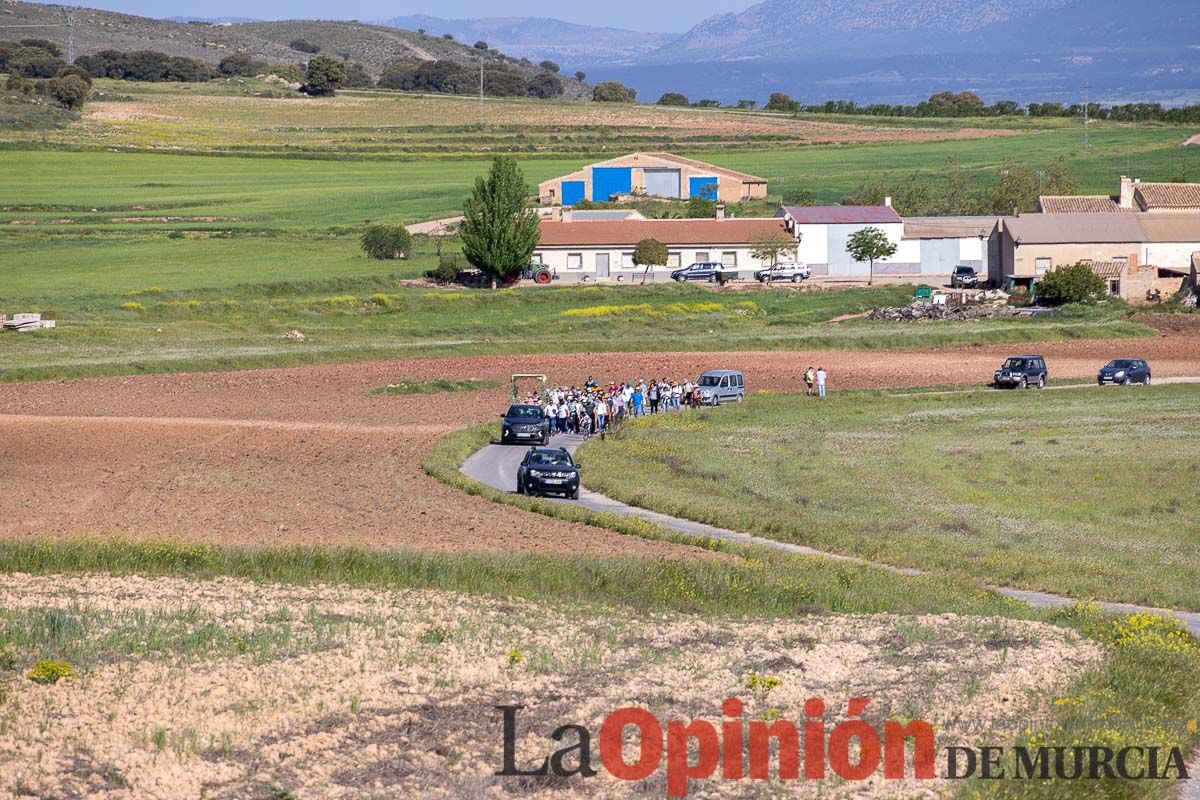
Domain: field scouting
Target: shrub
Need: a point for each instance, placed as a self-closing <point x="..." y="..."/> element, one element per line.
<point x="449" y="37"/>
<point x="47" y="672"/>
<point x="778" y="101"/>
<point x="386" y="241"/>
<point x="446" y="270"/>
<point x="708" y="102"/>
<point x="304" y="46"/>
<point x="673" y="99"/>
<point x="357" y="76"/>
<point x="324" y="77"/>
<point x="545" y="86"/>
<point x="481" y="45"/>
<point x="580" y="75"/>
<point x="69" y="91"/>
<point x="798" y="197"/>
<point x="549" y="66"/>
<point x="239" y="64"/>
<point x="613" y="92"/>
<point x="1076" y="283"/>
<point x="43" y="44"/>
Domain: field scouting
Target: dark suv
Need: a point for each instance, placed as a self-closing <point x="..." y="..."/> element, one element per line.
<point x="525" y="423"/>
<point x="1021" y="372"/>
<point x="700" y="271"/>
<point x="548" y="471"/>
<point x="964" y="277"/>
<point x="1124" y="371"/>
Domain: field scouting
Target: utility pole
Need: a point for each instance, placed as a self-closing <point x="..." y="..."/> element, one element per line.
<point x="70" y="16"/>
<point x="1086" y="143"/>
<point x="481" y="93"/>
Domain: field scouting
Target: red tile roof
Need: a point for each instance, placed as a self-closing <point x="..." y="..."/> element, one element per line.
<point x="667" y="231"/>
<point x="840" y="215"/>
<point x="1169" y="195"/>
<point x="1080" y="204"/>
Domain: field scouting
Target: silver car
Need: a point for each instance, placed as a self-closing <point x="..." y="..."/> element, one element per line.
<point x="721" y="386"/>
<point x="794" y="271"/>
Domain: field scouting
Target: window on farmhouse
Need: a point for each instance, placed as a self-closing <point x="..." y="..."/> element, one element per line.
<point x="1043" y="266"/>
<point x="574" y="260"/>
<point x="673" y="260"/>
<point x="627" y="261"/>
<point x="701" y="256"/>
<point x="729" y="258"/>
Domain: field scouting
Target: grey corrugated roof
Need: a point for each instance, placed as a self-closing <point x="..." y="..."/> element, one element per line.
<point x="1075" y="228"/>
<point x="1171" y="226"/>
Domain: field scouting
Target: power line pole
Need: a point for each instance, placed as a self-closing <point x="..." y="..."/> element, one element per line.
<point x="1086" y="143"/>
<point x="70" y="16"/>
<point x="481" y="93"/>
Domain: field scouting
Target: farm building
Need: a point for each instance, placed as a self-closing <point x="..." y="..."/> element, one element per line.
<point x="654" y="174"/>
<point x="939" y="244"/>
<point x="603" y="250"/>
<point x="1133" y="196"/>
<point x="1133" y="252"/>
<point x="824" y="231"/>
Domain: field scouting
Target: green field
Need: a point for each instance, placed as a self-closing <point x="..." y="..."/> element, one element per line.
<point x="1085" y="493"/>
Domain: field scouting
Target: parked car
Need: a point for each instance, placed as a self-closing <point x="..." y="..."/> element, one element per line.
<point x="787" y="271"/>
<point x="964" y="277"/>
<point x="524" y="423"/>
<point x="1021" y="372"/>
<point x="699" y="271"/>
<point x="1124" y="371"/>
<point x="548" y="471"/>
<point x="721" y="385"/>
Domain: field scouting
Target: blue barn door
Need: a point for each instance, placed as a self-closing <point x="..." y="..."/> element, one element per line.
<point x="703" y="187"/>
<point x="607" y="181"/>
<point x="572" y="192"/>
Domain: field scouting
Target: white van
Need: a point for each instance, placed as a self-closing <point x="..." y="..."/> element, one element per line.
<point x="722" y="385"/>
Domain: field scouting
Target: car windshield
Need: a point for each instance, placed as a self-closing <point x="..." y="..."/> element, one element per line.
<point x="1015" y="363"/>
<point x="710" y="380"/>
<point x="1121" y="363"/>
<point x="546" y="459"/>
<point x="964" y="270"/>
<point x="524" y="412"/>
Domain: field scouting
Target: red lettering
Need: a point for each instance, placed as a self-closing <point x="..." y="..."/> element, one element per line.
<point x="707" y="754"/>
<point x="612" y="734"/>
<point x="760" y="749"/>
<point x="894" y="736"/>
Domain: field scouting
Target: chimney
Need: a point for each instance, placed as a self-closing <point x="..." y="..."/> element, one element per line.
<point x="1126" y="192"/>
<point x="720" y="211"/>
<point x="563" y="214"/>
<point x="887" y="201"/>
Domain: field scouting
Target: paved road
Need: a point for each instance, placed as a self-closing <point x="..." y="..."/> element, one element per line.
<point x="496" y="466"/>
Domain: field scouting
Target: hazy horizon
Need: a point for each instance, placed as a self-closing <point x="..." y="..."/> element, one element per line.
<point x="671" y="17"/>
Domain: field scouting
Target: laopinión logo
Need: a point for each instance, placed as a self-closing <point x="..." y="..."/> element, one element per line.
<point x="853" y="750"/>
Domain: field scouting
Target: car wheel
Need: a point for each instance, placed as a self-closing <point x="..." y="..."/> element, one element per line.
<point x="575" y="494"/>
<point x="795" y="279"/>
<point x="520" y="486"/>
<point x="1146" y="380"/>
<point x="1125" y="381"/>
<point x="1041" y="384"/>
<point x="1023" y="384"/>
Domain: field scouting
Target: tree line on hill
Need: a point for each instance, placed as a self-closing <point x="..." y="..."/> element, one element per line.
<point x="451" y="77"/>
<point x="36" y="69"/>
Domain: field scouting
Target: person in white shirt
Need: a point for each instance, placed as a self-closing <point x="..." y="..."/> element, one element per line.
<point x="821" y="381"/>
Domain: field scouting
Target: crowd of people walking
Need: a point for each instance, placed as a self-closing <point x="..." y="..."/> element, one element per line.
<point x="593" y="408"/>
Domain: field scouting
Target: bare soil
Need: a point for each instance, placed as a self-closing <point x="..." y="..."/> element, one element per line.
<point x="306" y="456"/>
<point x="360" y="693"/>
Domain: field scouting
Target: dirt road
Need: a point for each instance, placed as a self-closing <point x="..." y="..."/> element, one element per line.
<point x="306" y="456"/>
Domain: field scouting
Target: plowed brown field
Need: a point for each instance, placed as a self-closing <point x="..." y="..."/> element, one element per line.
<point x="306" y="456"/>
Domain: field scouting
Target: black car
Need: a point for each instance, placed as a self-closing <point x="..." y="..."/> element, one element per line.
<point x="547" y="470"/>
<point x="1021" y="372"/>
<point x="1124" y="371"/>
<point x="524" y="423"/>
<point x="700" y="271"/>
<point x="964" y="276"/>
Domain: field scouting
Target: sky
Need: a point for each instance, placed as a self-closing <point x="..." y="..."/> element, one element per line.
<point x="662" y="15"/>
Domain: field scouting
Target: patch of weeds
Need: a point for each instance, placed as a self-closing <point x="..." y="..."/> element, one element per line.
<point x="433" y="387"/>
<point x="47" y="672"/>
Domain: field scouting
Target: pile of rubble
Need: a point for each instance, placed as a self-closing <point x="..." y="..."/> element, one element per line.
<point x="26" y="322"/>
<point x="990" y="304"/>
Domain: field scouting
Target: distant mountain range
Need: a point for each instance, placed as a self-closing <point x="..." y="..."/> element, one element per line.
<point x="537" y="38"/>
<point x="881" y="50"/>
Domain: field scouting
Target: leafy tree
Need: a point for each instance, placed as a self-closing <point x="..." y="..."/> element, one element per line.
<point x="1019" y="186"/>
<point x="449" y="37"/>
<point x="75" y="69"/>
<point x="580" y="75"/>
<point x="868" y="244"/>
<point x="545" y="86"/>
<point x="304" y="46"/>
<point x="386" y="242"/>
<point x="770" y="245"/>
<point x="708" y="102"/>
<point x="549" y="65"/>
<point x="499" y="229"/>
<point x="34" y="62"/>
<point x="699" y="207"/>
<point x="238" y="64"/>
<point x="778" y="101"/>
<point x="481" y="45"/>
<point x="421" y="31"/>
<point x="798" y="197"/>
<point x="746" y="104"/>
<point x="357" y="76"/>
<point x="673" y="99"/>
<point x="43" y="44"/>
<point x="69" y="91"/>
<point x="650" y="253"/>
<point x="324" y="77"/>
<point x="613" y="92"/>
<point x="1076" y="283"/>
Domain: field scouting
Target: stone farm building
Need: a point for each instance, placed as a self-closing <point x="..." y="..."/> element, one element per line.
<point x="652" y="174"/>
<point x="1133" y="196"/>
<point x="603" y="250"/>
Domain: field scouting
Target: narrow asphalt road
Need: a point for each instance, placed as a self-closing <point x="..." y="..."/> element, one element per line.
<point x="496" y="466"/>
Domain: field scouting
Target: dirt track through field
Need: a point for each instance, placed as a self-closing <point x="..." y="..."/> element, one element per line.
<point x="306" y="456"/>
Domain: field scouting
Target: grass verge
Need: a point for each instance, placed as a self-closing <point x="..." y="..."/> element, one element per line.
<point x="434" y="387"/>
